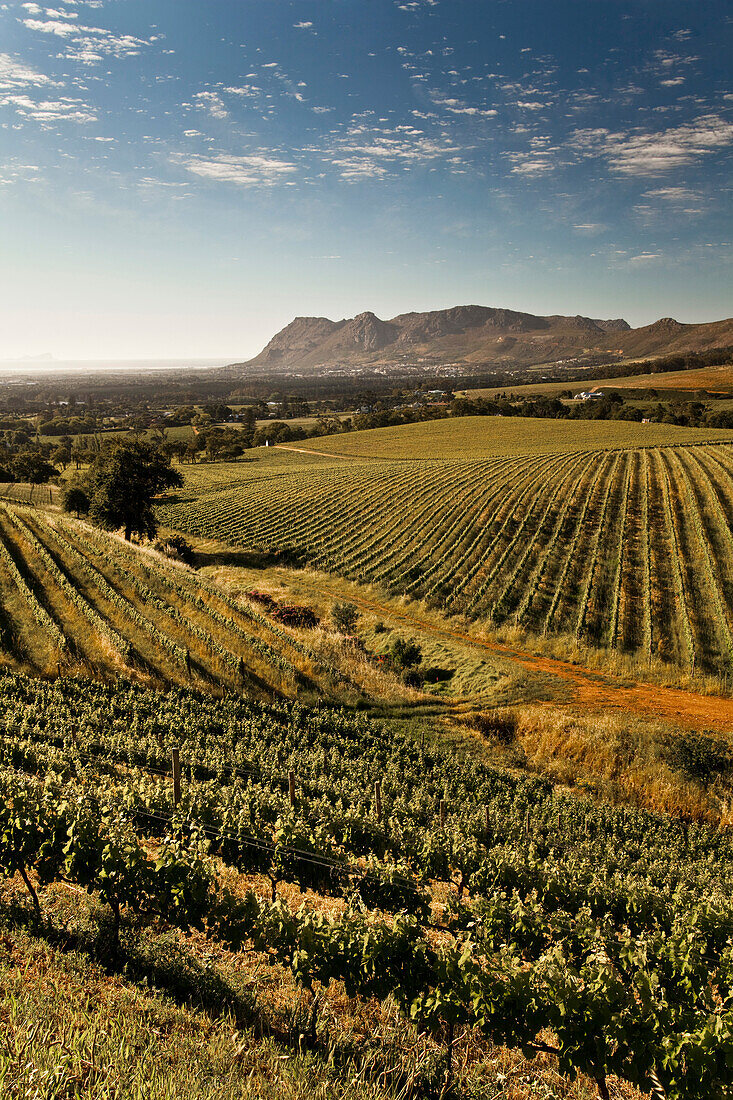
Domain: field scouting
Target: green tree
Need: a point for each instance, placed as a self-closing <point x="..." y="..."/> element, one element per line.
<point x="76" y="500"/>
<point x="125" y="478"/>
<point x="61" y="456"/>
<point x="32" y="466"/>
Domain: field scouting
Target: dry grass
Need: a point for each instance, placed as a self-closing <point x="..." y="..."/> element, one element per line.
<point x="73" y="1028"/>
<point x="644" y="763"/>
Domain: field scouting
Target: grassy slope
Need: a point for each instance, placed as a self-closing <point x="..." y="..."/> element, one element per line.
<point x="489" y="436"/>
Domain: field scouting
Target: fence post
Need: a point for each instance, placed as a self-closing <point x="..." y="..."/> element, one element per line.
<point x="176" y="762"/>
<point x="487" y="818"/>
<point x="291" y="787"/>
<point x="378" y="799"/>
<point x="442" y="813"/>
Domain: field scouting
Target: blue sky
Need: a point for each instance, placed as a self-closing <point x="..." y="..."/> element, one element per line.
<point x="182" y="177"/>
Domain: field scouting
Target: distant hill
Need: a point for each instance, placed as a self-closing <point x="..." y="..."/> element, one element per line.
<point x="474" y="336"/>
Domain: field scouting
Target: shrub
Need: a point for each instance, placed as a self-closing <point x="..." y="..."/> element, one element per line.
<point x="76" y="500"/>
<point x="175" y="546"/>
<point x="291" y="614"/>
<point x="344" y="616"/>
<point x="405" y="653"/>
<point x="501" y="727"/>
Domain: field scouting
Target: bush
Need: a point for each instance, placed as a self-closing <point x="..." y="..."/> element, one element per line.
<point x="501" y="727"/>
<point x="344" y="616"/>
<point x="262" y="598"/>
<point x="436" y="675"/>
<point x="292" y="614"/>
<point x="175" y="546"/>
<point x="405" y="654"/>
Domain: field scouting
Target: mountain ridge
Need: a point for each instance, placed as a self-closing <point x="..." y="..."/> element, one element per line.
<point x="474" y="335"/>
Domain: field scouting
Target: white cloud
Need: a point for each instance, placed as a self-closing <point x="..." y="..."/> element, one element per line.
<point x="16" y="74"/>
<point x="11" y="172"/>
<point x="674" y="194"/>
<point x="88" y="44"/>
<point x="649" y="154"/>
<point x="460" y="107"/>
<point x="247" y="91"/>
<point x="257" y="170"/>
<point x="213" y="103"/>
<point x="51" y="26"/>
<point x="645" y="258"/>
<point x="63" y="109"/>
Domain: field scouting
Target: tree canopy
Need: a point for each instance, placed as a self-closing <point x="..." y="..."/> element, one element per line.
<point x="125" y="478"/>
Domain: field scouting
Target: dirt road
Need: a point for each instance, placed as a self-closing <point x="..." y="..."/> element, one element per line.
<point x="590" y="688"/>
<point x="310" y="451"/>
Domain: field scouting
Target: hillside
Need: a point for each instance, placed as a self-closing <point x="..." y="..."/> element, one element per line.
<point x="348" y="928"/>
<point x="473" y="335"/>
<point x="555" y="527"/>
<point x="77" y="601"/>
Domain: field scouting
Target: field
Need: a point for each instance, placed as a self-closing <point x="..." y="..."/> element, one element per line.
<point x="617" y="545"/>
<point x="76" y="600"/>
<point x="250" y="855"/>
<point x="401" y="914"/>
<point x="685" y="383"/>
<point x="476" y="437"/>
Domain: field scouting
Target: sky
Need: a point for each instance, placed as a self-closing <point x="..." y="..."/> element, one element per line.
<point x="181" y="178"/>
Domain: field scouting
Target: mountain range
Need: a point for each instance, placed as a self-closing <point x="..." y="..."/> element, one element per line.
<point x="474" y="336"/>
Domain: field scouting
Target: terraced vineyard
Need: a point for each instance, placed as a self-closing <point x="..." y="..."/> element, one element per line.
<point x="627" y="548"/>
<point x="76" y="599"/>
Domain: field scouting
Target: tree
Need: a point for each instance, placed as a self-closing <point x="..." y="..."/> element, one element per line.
<point x="32" y="466"/>
<point x="345" y="617"/>
<point x="125" y="478"/>
<point x="61" y="456"/>
<point x="76" y="500"/>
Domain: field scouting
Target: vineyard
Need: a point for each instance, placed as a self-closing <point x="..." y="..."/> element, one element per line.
<point x="77" y="600"/>
<point x="627" y="548"/>
<point x="474" y="903"/>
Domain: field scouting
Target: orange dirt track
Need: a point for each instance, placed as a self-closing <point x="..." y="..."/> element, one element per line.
<point x="590" y="689"/>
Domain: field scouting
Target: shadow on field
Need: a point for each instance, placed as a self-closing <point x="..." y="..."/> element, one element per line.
<point x="252" y="559"/>
<point x="160" y="962"/>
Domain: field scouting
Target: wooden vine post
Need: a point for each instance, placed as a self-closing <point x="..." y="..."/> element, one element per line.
<point x="176" y="763"/>
<point x="291" y="788"/>
<point x="442" y="813"/>
<point x="378" y="800"/>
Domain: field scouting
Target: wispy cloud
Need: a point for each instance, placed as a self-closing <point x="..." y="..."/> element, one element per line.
<point x="17" y="74"/>
<point x="256" y="170"/>
<point x="87" y="45"/>
<point x="653" y="153"/>
<point x="63" y="109"/>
